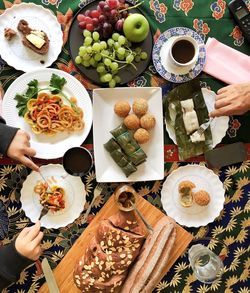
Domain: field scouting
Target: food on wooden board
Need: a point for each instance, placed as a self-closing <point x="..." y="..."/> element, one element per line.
<point x="123" y="195"/>
<point x="153" y="258"/>
<point x="36" y="40"/>
<point x="110" y="254"/>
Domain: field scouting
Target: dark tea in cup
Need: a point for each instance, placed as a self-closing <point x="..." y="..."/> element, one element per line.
<point x="77" y="161"/>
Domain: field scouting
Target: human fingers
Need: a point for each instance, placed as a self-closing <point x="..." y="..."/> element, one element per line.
<point x="34" y="231"/>
<point x="224" y="111"/>
<point x="24" y="232"/>
<point x="37" y="240"/>
<point x="29" y="152"/>
<point x="223" y="89"/>
<point x="221" y="96"/>
<point x="221" y="103"/>
<point x="28" y="163"/>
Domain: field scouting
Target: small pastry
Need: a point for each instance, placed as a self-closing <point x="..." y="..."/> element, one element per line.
<point x="9" y="33"/>
<point x="140" y="107"/>
<point x="185" y="192"/>
<point x="132" y="122"/>
<point x="122" y="108"/>
<point x="201" y="197"/>
<point x="147" y="121"/>
<point x="141" y="135"/>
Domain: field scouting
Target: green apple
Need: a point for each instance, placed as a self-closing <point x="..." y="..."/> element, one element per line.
<point x="136" y="27"/>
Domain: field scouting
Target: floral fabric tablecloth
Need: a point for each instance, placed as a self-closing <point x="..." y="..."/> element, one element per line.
<point x="209" y="18"/>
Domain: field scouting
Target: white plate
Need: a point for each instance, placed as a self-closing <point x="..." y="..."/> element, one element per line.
<point x="49" y="147"/>
<point x="14" y="52"/>
<point x="105" y="120"/>
<point x="218" y="126"/>
<point x="75" y="197"/>
<point x="194" y="216"/>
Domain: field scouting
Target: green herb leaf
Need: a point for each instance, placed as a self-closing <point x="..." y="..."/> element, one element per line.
<point x="56" y="83"/>
<point x="32" y="89"/>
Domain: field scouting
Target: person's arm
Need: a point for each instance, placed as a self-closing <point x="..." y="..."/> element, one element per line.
<point x="15" y="144"/>
<point x="17" y="255"/>
<point x="232" y="100"/>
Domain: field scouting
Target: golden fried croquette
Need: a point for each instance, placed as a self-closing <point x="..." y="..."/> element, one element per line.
<point x="122" y="108"/>
<point x="185" y="192"/>
<point x="201" y="197"/>
<point x="141" y="135"/>
<point x="140" y="106"/>
<point x="132" y="122"/>
<point x="147" y="121"/>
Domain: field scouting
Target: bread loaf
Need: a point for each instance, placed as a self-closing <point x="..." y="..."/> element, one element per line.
<point x="110" y="254"/>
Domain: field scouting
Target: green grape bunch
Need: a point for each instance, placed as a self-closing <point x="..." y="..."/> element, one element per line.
<point x="108" y="57"/>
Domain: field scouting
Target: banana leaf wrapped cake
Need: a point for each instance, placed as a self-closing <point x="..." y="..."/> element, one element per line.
<point x="124" y="150"/>
<point x="185" y="111"/>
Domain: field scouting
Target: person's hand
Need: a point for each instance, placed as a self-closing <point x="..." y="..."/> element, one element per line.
<point x="232" y="100"/>
<point x="28" y="242"/>
<point x="20" y="148"/>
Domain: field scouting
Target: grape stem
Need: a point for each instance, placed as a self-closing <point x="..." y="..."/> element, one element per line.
<point x="118" y="61"/>
<point x="131" y="7"/>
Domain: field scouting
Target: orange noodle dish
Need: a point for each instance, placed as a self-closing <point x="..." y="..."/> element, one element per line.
<point x="53" y="198"/>
<point x="47" y="114"/>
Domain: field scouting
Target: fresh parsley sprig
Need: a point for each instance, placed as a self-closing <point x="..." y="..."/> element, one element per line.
<point x="55" y="87"/>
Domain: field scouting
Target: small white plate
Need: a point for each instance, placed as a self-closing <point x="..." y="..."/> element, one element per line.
<point x="49" y="147"/>
<point x="39" y="18"/>
<point x="194" y="216"/>
<point x="105" y="120"/>
<point x="218" y="126"/>
<point x="75" y="197"/>
<point x="161" y="59"/>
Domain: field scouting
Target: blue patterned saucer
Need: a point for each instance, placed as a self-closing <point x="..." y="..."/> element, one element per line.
<point x="165" y="68"/>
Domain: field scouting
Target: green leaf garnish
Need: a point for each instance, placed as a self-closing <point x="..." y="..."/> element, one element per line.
<point x="56" y="83"/>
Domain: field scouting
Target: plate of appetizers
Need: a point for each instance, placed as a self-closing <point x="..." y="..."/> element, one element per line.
<point x="53" y="107"/>
<point x="65" y="196"/>
<point x="129" y="58"/>
<point x="127" y="127"/>
<point x="186" y="108"/>
<point x="30" y="37"/>
<point x="193" y="195"/>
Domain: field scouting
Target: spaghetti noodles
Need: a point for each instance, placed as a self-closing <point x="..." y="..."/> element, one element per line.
<point x="47" y="114"/>
<point x="53" y="199"/>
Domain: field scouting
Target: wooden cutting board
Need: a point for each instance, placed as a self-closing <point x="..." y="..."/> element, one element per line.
<point x="64" y="271"/>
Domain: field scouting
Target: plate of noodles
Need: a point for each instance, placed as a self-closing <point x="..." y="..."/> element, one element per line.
<point x="53" y="107"/>
<point x="65" y="198"/>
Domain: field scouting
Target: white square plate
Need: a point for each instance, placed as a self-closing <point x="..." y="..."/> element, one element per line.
<point x="105" y="120"/>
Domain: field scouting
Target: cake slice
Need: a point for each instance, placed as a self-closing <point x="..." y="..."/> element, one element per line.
<point x="36" y="40"/>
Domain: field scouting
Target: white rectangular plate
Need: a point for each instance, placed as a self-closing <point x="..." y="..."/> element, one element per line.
<point x="105" y="120"/>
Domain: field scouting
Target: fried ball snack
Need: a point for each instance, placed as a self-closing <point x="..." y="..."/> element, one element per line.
<point x="122" y="108"/>
<point x="147" y="121"/>
<point x="201" y="197"/>
<point x="140" y="107"/>
<point x="185" y="192"/>
<point x="141" y="135"/>
<point x="132" y="122"/>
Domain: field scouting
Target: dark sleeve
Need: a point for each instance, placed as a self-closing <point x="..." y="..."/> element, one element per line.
<point x="11" y="264"/>
<point x="7" y="133"/>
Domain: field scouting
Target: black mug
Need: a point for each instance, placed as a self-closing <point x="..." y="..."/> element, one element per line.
<point x="77" y="161"/>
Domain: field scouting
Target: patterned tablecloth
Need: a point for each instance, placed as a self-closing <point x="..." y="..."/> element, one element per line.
<point x="209" y="18"/>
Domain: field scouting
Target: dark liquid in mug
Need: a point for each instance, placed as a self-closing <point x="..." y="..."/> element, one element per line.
<point x="183" y="51"/>
<point x="77" y="161"/>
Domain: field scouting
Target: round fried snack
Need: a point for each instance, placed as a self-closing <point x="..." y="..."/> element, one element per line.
<point x="132" y="122"/>
<point x="140" y="106"/>
<point x="201" y="197"/>
<point x="147" y="121"/>
<point x="185" y="192"/>
<point x="122" y="108"/>
<point x="141" y="135"/>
